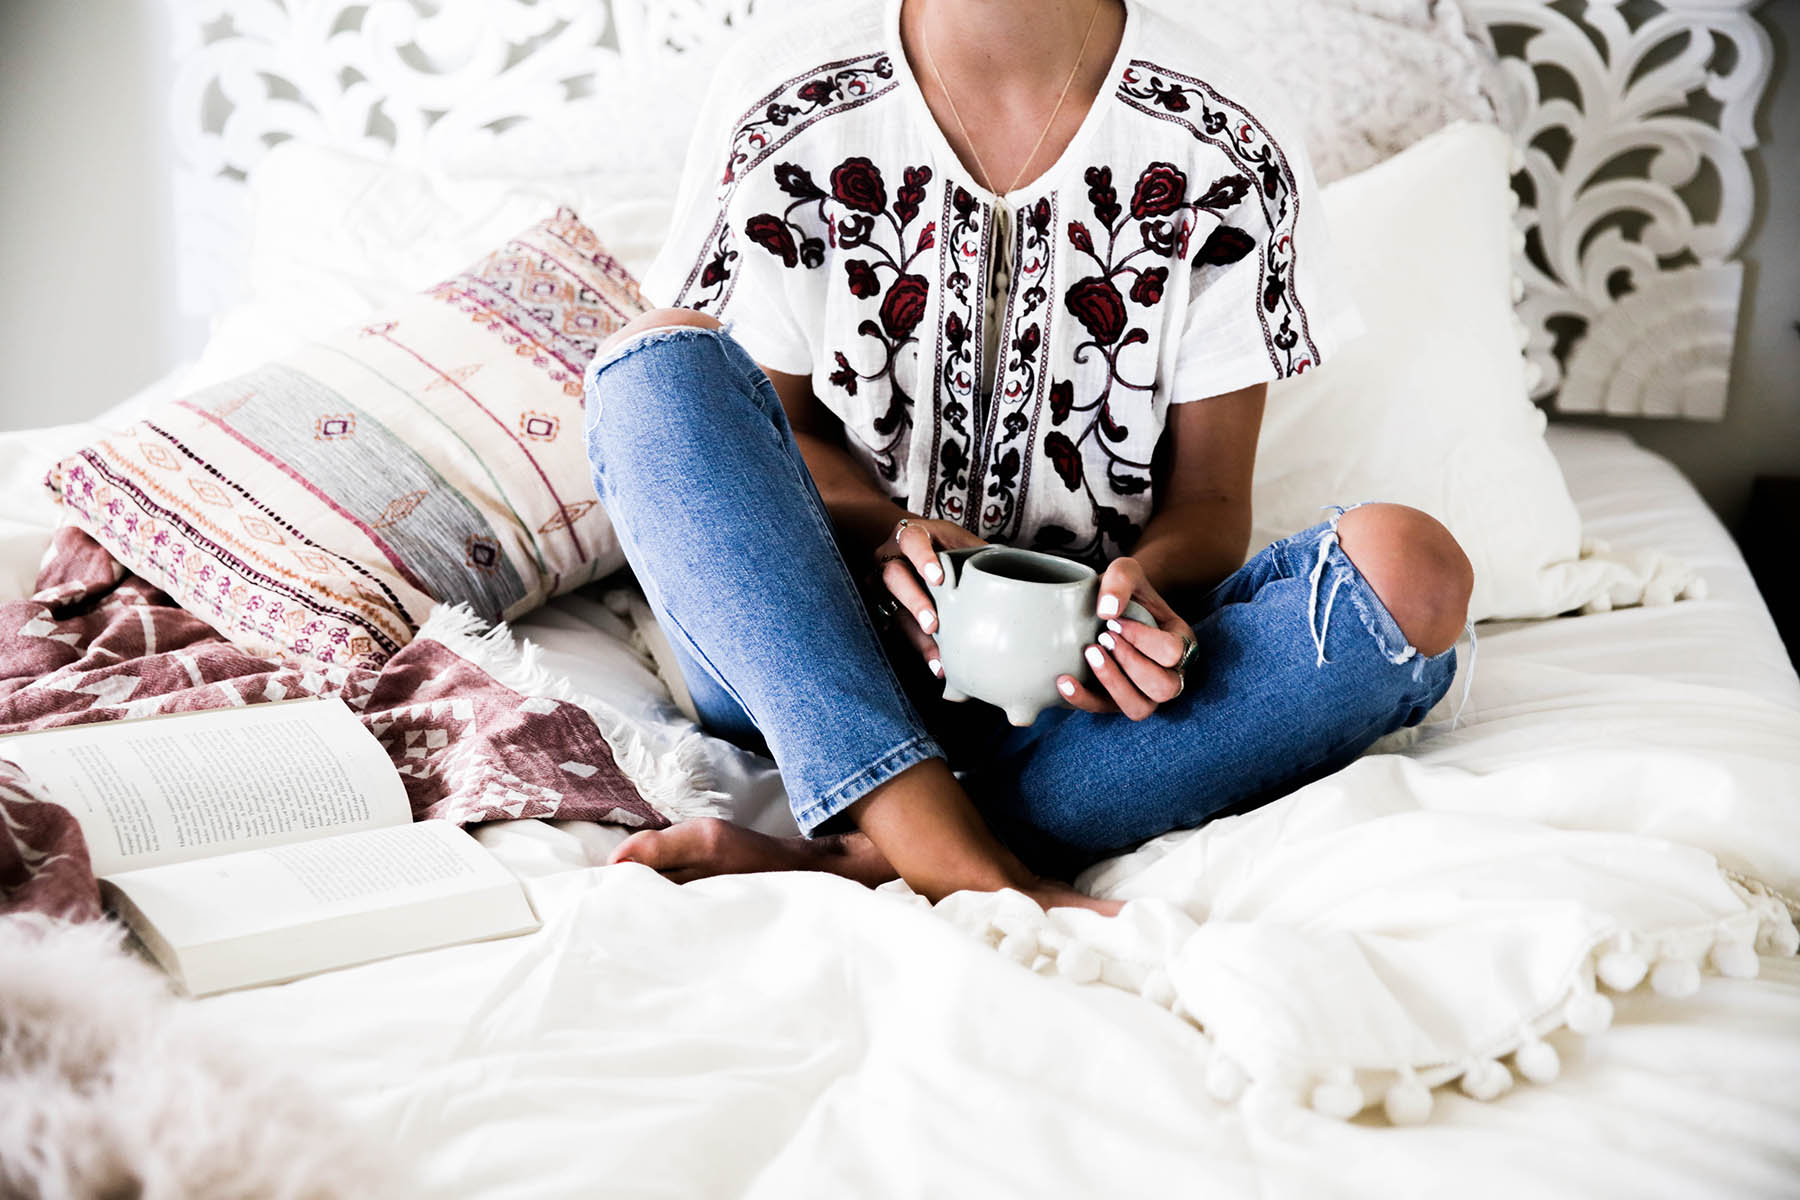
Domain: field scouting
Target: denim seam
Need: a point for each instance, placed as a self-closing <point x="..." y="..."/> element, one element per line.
<point x="866" y="778"/>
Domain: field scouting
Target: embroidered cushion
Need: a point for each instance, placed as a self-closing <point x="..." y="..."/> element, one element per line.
<point x="320" y="504"/>
<point x="1173" y="252"/>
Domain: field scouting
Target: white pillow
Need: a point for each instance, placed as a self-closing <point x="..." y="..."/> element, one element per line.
<point x="336" y="237"/>
<point x="1429" y="407"/>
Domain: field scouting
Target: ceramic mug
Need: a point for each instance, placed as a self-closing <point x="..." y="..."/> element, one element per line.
<point x="1010" y="621"/>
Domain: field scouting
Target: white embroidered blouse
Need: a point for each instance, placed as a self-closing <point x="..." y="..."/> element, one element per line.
<point x="1174" y="251"/>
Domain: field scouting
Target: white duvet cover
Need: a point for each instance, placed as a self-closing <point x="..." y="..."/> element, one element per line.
<point x="797" y="1035"/>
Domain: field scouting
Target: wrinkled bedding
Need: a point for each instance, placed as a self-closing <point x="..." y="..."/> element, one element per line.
<point x="798" y="1035"/>
<point x="793" y="1035"/>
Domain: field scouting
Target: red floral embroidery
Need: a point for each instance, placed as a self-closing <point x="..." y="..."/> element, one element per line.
<point x="801" y="102"/>
<point x="855" y="214"/>
<point x="1097" y="304"/>
<point x="1230" y="128"/>
<point x="855" y="183"/>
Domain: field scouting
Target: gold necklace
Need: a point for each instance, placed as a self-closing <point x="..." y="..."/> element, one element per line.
<point x="999" y="281"/>
<point x="986" y="179"/>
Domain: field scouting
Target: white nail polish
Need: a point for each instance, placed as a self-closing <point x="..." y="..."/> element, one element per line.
<point x="1094" y="659"/>
<point x="1115" y="627"/>
<point x="1106" y="639"/>
<point x="937" y="668"/>
<point x="927" y="619"/>
<point x="934" y="573"/>
<point x="1065" y="687"/>
<point x="1109" y="606"/>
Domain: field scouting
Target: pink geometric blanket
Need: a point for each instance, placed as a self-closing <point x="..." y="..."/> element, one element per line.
<point x="474" y="738"/>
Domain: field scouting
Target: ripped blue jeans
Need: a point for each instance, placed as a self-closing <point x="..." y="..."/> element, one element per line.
<point x="1300" y="667"/>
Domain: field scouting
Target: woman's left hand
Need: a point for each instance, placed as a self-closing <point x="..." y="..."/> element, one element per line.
<point x="1135" y="664"/>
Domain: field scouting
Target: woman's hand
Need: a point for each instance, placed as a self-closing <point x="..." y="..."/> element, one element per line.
<point x="902" y="562"/>
<point x="1137" y="665"/>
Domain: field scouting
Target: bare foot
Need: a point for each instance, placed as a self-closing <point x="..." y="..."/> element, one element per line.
<point x="709" y="846"/>
<point x="1049" y="894"/>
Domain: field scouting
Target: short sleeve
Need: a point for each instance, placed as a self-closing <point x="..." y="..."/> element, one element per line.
<point x="707" y="262"/>
<point x="1267" y="299"/>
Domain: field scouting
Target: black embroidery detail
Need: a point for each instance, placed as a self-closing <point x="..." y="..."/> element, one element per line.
<point x="1019" y="385"/>
<point x="762" y="130"/>
<point x="956" y="377"/>
<point x="856" y="213"/>
<point x="1223" y="123"/>
<point x="1116" y="321"/>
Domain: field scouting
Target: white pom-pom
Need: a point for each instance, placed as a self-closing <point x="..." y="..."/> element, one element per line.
<point x="1408" y="1102"/>
<point x="1078" y="962"/>
<point x="1534" y="375"/>
<point x="1734" y="959"/>
<point x="1485" y="1079"/>
<point x="1658" y="593"/>
<point x="1116" y="972"/>
<point x="1011" y="923"/>
<point x="1521" y="332"/>
<point x="1622" y="970"/>
<point x="1784" y="939"/>
<point x="1675" y="977"/>
<point x="1225" y="1080"/>
<point x="1599" y="604"/>
<point x="1518" y="241"/>
<point x="1158" y="988"/>
<point x="1515" y="161"/>
<point x="1022" y="948"/>
<point x="1696" y="589"/>
<point x="1518" y="284"/>
<point x="1537" y="1061"/>
<point x="1339" y="1096"/>
<point x="1588" y="1013"/>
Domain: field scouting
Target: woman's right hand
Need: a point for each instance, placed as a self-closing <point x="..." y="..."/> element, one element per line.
<point x="903" y="562"/>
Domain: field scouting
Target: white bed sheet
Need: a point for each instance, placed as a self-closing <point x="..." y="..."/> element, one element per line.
<point x="798" y="1035"/>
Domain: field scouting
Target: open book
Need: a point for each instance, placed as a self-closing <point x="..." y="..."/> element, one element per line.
<point x="254" y="845"/>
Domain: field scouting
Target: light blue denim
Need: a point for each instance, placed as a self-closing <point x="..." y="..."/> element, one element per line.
<point x="720" y="521"/>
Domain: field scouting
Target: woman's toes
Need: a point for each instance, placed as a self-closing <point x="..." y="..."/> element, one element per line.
<point x="710" y="846"/>
<point x="642" y="847"/>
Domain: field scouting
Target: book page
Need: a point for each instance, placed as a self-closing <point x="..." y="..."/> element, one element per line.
<point x="261" y="915"/>
<point x="170" y="789"/>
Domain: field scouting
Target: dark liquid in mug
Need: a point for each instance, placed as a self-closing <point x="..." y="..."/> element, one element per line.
<point x="1029" y="570"/>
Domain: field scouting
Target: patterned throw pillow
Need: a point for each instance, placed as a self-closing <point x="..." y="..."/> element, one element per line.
<point x="322" y="503"/>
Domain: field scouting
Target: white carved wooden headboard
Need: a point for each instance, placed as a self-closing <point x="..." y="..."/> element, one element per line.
<point x="1635" y="118"/>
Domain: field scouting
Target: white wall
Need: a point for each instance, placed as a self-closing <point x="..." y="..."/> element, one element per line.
<point x="86" y="311"/>
<point x="88" y="316"/>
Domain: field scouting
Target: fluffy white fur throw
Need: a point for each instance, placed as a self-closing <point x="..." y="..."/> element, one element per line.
<point x="111" y="1086"/>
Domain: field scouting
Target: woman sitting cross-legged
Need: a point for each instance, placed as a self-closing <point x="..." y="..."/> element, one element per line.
<point x="955" y="272"/>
